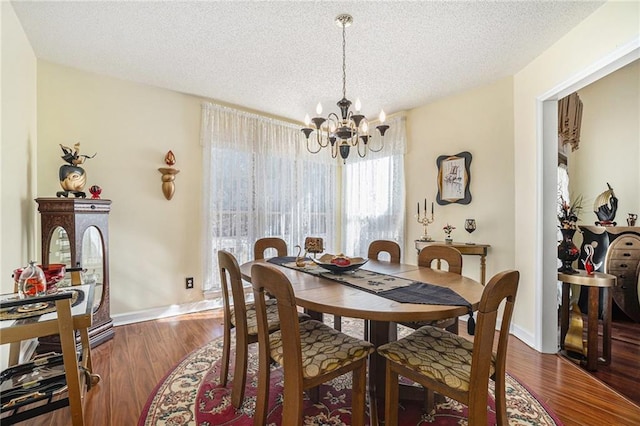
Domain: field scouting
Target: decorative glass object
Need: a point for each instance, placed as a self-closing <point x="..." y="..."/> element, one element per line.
<point x="470" y="226"/>
<point x="95" y="191"/>
<point x="32" y="282"/>
<point x="567" y="251"/>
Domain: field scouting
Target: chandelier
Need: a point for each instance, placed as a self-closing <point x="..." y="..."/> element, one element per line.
<point x="340" y="133"/>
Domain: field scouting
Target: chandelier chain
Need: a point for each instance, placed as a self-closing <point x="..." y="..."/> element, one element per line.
<point x="344" y="62"/>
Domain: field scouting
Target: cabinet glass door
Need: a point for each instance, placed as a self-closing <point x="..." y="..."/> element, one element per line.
<point x="93" y="261"/>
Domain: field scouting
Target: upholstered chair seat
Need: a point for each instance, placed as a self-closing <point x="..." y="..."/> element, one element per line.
<point x="324" y="349"/>
<point x="437" y="354"/>
<point x="272" y="317"/>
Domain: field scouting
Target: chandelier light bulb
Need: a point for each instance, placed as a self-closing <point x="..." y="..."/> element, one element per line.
<point x="307" y="120"/>
<point x="319" y="108"/>
<point x="358" y="105"/>
<point x="365" y="128"/>
<point x="382" y="116"/>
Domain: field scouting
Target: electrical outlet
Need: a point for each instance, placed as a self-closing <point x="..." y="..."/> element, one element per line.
<point x="189" y="282"/>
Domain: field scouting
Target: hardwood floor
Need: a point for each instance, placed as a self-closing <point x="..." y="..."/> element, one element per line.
<point x="624" y="372"/>
<point x="140" y="355"/>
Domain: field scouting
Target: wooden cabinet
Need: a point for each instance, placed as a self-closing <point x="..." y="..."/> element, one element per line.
<point x="617" y="248"/>
<point x="81" y="227"/>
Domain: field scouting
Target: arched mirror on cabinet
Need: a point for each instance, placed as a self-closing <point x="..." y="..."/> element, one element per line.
<point x="75" y="231"/>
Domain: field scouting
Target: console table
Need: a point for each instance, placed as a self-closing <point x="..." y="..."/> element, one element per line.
<point x="63" y="320"/>
<point x="465" y="249"/>
<point x="594" y="282"/>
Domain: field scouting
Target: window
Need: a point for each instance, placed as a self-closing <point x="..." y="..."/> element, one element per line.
<point x="260" y="181"/>
<point x="373" y="194"/>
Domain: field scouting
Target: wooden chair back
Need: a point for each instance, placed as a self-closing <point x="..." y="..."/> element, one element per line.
<point x="263" y="244"/>
<point x="501" y="288"/>
<point x="449" y="254"/>
<point x="266" y="279"/>
<point x="231" y="283"/>
<point x="232" y="289"/>
<point x="384" y="246"/>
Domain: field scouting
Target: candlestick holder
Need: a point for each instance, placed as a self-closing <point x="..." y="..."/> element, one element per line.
<point x="425" y="222"/>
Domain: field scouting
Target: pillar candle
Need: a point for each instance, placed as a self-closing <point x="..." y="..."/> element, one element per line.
<point x="425" y="206"/>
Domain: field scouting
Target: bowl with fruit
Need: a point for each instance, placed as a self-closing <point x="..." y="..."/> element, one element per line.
<point x="340" y="263"/>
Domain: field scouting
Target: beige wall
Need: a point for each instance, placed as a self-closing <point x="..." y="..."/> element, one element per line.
<point x="154" y="243"/>
<point x="17" y="154"/>
<point x="610" y="143"/>
<point x="614" y="25"/>
<point x="479" y="121"/>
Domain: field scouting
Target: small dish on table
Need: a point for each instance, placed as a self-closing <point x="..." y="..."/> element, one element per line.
<point x="340" y="263"/>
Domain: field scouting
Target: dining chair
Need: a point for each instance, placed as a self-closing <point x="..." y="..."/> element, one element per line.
<point x="309" y="352"/>
<point x="375" y="249"/>
<point x="242" y="317"/>
<point x="263" y="244"/>
<point x="454" y="366"/>
<point x="384" y="246"/>
<point x="426" y="258"/>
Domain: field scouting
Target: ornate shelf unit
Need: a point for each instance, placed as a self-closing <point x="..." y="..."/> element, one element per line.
<point x="85" y="223"/>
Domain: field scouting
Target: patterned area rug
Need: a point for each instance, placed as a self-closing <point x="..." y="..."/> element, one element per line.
<point x="191" y="394"/>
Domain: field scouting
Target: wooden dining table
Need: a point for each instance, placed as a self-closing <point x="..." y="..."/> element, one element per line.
<point x="319" y="295"/>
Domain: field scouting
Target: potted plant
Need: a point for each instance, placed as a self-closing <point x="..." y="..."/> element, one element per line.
<point x="447" y="230"/>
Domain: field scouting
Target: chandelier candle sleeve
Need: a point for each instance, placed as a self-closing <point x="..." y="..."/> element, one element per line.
<point x="342" y="132"/>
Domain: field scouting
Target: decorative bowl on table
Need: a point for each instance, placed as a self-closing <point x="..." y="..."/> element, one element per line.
<point x="340" y="263"/>
<point x="53" y="273"/>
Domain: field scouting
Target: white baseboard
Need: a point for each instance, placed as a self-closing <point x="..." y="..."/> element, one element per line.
<point x="525" y="336"/>
<point x="165" y="312"/>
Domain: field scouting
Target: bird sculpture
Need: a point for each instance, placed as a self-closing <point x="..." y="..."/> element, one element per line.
<point x="605" y="207"/>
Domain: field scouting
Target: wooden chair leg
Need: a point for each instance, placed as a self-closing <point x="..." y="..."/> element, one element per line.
<point x="262" y="398"/>
<point x="391" y="398"/>
<point x="358" y="390"/>
<point x="430" y="400"/>
<point x="226" y="348"/>
<point x="292" y="409"/>
<point x="477" y="412"/>
<point x="314" y="394"/>
<point x="501" y="402"/>
<point x="453" y="328"/>
<point x="337" y="322"/>
<point x="239" y="372"/>
<point x="366" y="330"/>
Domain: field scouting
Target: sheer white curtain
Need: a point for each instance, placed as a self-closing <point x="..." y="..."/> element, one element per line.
<point x="260" y="181"/>
<point x="374" y="193"/>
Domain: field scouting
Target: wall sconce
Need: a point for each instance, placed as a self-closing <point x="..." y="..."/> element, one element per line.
<point x="169" y="175"/>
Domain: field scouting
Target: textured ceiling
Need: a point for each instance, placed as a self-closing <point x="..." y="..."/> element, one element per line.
<point x="282" y="57"/>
